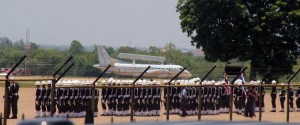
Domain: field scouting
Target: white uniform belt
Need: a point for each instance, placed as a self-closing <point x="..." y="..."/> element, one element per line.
<point x="15" y="94"/>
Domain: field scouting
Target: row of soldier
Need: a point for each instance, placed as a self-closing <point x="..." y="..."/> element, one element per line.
<point x="72" y="102"/>
<point x="68" y="102"/>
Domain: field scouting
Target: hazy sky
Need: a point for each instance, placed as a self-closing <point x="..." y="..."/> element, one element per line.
<point x="139" y="23"/>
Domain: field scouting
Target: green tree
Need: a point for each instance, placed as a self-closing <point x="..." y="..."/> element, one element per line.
<point x="264" y="32"/>
<point x="76" y="48"/>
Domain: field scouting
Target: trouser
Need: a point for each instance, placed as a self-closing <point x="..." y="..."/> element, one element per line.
<point x="240" y="103"/>
<point x="44" y="105"/>
<point x="126" y="103"/>
<point x="48" y="106"/>
<point x="165" y="103"/>
<point x="136" y="105"/>
<point x="103" y="103"/>
<point x="76" y="105"/>
<point x="14" y="105"/>
<point x="9" y="105"/>
<point x="235" y="102"/>
<point x="38" y="104"/>
<point x="66" y="106"/>
<point x="226" y="101"/>
<point x="71" y="105"/>
<point x="249" y="108"/>
<point x="150" y="103"/>
<point x="183" y="107"/>
<point x="59" y="106"/>
<point x="141" y="104"/>
<point x="291" y="102"/>
<point x="111" y="103"/>
<point x="120" y="104"/>
<point x="282" y="99"/>
<point x="96" y="105"/>
<point x="298" y="102"/>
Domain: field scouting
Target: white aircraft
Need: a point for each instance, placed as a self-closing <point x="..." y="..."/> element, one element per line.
<point x="133" y="69"/>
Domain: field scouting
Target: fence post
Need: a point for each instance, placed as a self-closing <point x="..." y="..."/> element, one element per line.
<point x="132" y="93"/>
<point x="260" y="101"/>
<point x="53" y="85"/>
<point x="6" y="90"/>
<point x="93" y="89"/>
<point x="288" y="96"/>
<point x="168" y="92"/>
<point x="200" y="94"/>
<point x="231" y="93"/>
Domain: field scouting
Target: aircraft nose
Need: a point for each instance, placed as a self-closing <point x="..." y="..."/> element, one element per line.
<point x="187" y="74"/>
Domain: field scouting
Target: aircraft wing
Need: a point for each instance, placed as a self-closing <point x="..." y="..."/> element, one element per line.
<point x="142" y="57"/>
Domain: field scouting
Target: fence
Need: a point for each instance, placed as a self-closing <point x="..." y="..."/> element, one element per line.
<point x="285" y="116"/>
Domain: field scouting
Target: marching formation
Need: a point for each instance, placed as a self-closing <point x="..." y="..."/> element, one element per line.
<point x="73" y="101"/>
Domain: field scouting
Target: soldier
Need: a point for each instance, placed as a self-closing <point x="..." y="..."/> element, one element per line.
<point x="291" y="99"/>
<point x="157" y="99"/>
<point x="150" y="94"/>
<point x="183" y="99"/>
<point x="137" y="101"/>
<point x="235" y="90"/>
<point x="15" y="97"/>
<point x="282" y="97"/>
<point x="144" y="99"/>
<point x="48" y="94"/>
<point x="120" y="98"/>
<point x="104" y="97"/>
<point x="71" y="96"/>
<point x="44" y="97"/>
<point x="239" y="96"/>
<point x="217" y="97"/>
<point x="59" y="101"/>
<point x="175" y="97"/>
<point x="76" y="101"/>
<point x="96" y="100"/>
<point x="297" y="95"/>
<point x="193" y="102"/>
<point x="38" y="99"/>
<point x="273" y="95"/>
<point x="213" y="98"/>
<point x="251" y="95"/>
<point x="111" y="97"/>
<point x="165" y="94"/>
<point x="126" y="102"/>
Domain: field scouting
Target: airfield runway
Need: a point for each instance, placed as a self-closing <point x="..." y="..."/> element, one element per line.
<point x="27" y="101"/>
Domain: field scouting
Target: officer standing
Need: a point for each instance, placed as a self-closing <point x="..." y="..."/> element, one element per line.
<point x="38" y="99"/>
<point x="15" y="97"/>
<point x="298" y="99"/>
<point x="291" y="99"/>
<point x="183" y="99"/>
<point x="282" y="97"/>
<point x="251" y="95"/>
<point x="273" y="96"/>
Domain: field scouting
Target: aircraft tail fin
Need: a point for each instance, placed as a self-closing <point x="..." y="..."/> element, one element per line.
<point x="103" y="57"/>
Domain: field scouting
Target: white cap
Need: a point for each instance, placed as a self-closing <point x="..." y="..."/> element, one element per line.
<point x="166" y="81"/>
<point x="251" y="82"/>
<point x="158" y="83"/>
<point x="37" y="83"/>
<point x="273" y="82"/>
<point x="43" y="83"/>
<point x="103" y="82"/>
<point x="118" y="82"/>
<point x="49" y="82"/>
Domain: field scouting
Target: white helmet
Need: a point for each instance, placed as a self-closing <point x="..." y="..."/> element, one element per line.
<point x="37" y="83"/>
<point x="273" y="82"/>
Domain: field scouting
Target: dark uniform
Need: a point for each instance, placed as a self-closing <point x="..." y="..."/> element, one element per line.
<point x="38" y="99"/>
<point x="282" y="98"/>
<point x="291" y="99"/>
<point x="45" y="99"/>
<point x="249" y="110"/>
<point x="273" y="98"/>
<point x="104" y="97"/>
<point x="14" y="99"/>
<point x="48" y="94"/>
<point x="183" y="99"/>
<point x="297" y="95"/>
